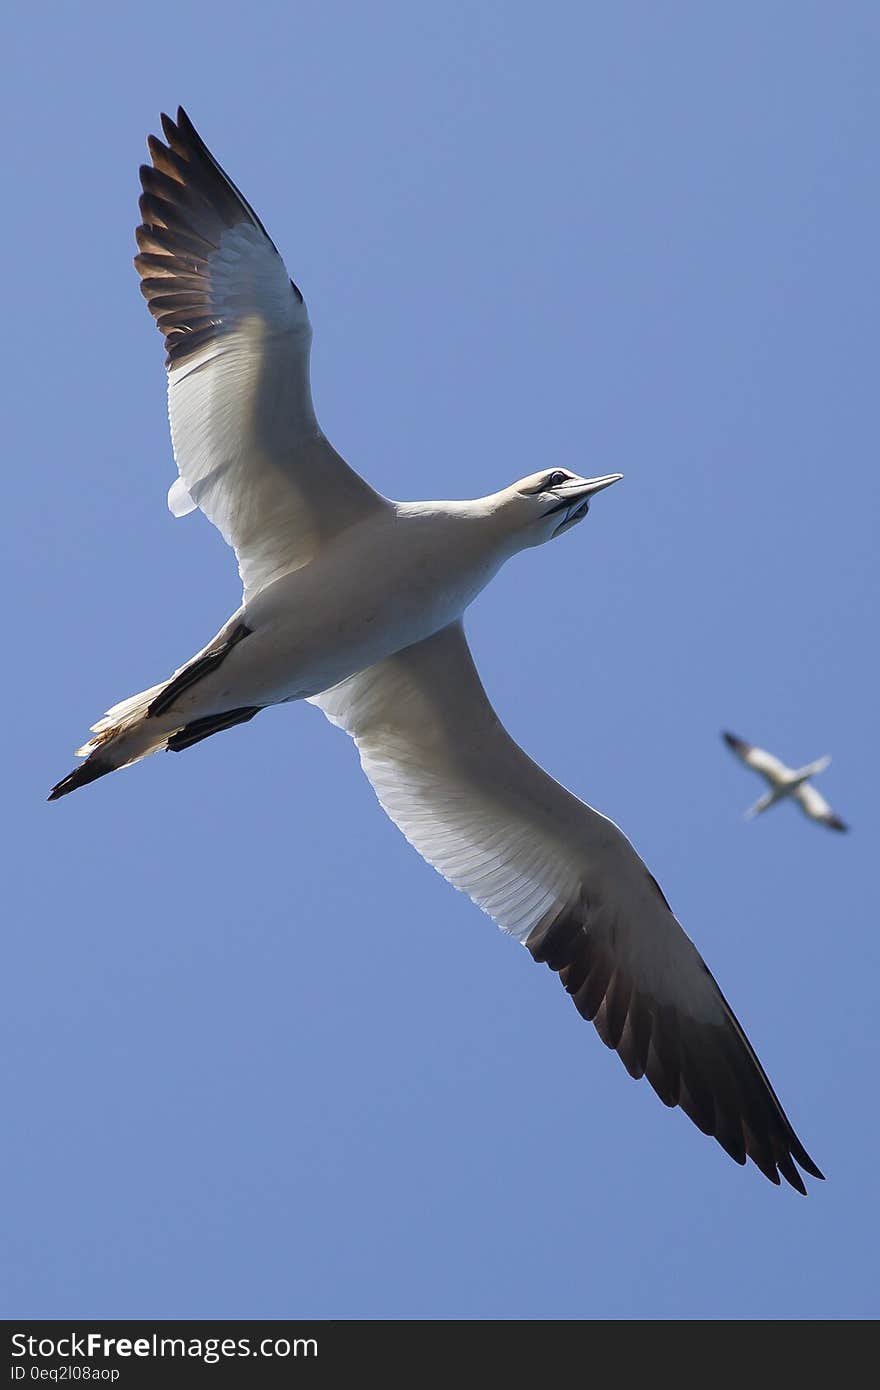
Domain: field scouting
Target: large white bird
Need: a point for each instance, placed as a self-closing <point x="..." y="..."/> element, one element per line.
<point x="355" y="602"/>
<point x="785" y="782"/>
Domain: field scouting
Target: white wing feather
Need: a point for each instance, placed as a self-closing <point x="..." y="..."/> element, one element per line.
<point x="563" y="880"/>
<point x="759" y="760"/>
<point x="246" y="440"/>
<point x="816" y="807"/>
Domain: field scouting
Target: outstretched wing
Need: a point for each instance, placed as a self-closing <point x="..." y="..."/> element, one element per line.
<point x="247" y="444"/>
<point x="817" y="807"/>
<point x="773" y="769"/>
<point x="566" y="883"/>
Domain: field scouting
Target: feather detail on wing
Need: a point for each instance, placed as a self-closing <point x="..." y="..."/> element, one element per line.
<point x="246" y="440"/>
<point x="817" y="808"/>
<point x="564" y="881"/>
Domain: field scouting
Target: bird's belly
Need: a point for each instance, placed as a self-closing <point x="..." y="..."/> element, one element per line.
<point x="307" y="635"/>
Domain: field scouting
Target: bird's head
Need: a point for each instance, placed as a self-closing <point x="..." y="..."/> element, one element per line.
<point x="546" y="504"/>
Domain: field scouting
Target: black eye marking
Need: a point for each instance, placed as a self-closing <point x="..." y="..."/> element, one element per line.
<point x="551" y="480"/>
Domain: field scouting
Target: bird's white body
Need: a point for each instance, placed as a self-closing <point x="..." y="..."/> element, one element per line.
<point x="355" y="603"/>
<point x="785" y="782"/>
<point x="392" y="580"/>
<point x="398" y="576"/>
<point x="395" y="578"/>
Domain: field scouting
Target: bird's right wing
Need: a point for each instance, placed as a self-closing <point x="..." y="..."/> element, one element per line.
<point x="817" y="808"/>
<point x="247" y="444"/>
<point x="566" y="883"/>
<point x="773" y="769"/>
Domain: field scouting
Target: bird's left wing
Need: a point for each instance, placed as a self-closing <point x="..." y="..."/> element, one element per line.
<point x="769" y="766"/>
<point x="817" y="808"/>
<point x="566" y="883"/>
<point x="247" y="444"/>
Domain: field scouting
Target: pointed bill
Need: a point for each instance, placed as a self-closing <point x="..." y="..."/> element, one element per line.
<point x="582" y="488"/>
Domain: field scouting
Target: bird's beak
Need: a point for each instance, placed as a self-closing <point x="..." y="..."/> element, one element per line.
<point x="574" y="497"/>
<point x="579" y="489"/>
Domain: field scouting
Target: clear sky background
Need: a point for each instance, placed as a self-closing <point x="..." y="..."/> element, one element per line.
<point x="259" y="1060"/>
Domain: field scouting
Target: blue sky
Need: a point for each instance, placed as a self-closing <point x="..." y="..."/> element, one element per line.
<point x="261" y="1060"/>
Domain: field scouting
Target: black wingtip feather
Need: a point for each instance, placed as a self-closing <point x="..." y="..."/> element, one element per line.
<point x="713" y="1074"/>
<point x="786" y="1167"/>
<point x="801" y="1157"/>
<point x="188" y="206"/>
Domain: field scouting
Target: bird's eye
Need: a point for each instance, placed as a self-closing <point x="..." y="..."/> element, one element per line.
<point x="556" y="478"/>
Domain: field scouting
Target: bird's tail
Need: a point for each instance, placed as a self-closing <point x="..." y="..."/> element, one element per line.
<point x="146" y="722"/>
<point x="124" y="735"/>
<point x="133" y="730"/>
<point x="760" y="805"/>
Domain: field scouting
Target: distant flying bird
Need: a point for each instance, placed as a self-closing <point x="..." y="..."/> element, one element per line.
<point x="355" y="602"/>
<point x="786" y="782"/>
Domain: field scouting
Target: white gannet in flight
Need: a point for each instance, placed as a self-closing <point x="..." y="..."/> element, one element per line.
<point x="355" y="602"/>
<point x="786" y="782"/>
